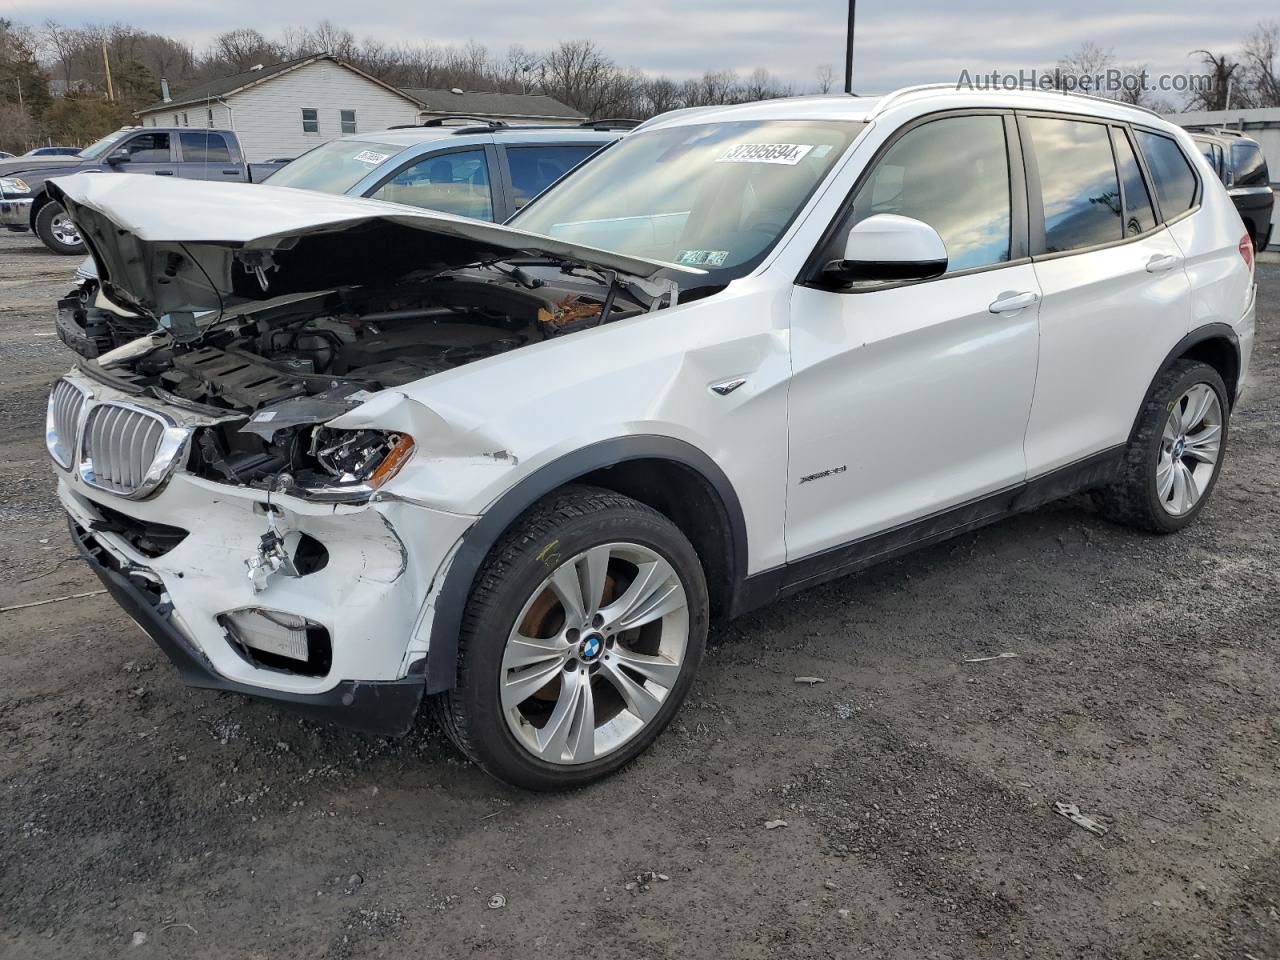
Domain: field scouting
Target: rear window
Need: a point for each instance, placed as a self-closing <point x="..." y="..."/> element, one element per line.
<point x="1249" y="165"/>
<point x="1174" y="181"/>
<point x="334" y="167"/>
<point x="1078" y="183"/>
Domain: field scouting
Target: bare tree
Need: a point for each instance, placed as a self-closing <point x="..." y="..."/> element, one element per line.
<point x="1262" y="65"/>
<point x="1223" y="72"/>
<point x="825" y="74"/>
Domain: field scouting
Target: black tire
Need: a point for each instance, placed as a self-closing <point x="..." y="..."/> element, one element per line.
<point x="44" y="225"/>
<point x="569" y="521"/>
<point x="1133" y="500"/>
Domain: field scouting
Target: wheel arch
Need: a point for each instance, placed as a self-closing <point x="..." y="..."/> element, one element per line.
<point x="38" y="203"/>
<point x="672" y="476"/>
<point x="1215" y="344"/>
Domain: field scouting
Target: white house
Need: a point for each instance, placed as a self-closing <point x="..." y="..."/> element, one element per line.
<point x="284" y="109"/>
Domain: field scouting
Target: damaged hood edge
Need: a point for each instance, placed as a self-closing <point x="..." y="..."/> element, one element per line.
<point x="151" y="216"/>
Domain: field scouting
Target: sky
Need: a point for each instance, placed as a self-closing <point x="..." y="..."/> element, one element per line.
<point x="898" y="43"/>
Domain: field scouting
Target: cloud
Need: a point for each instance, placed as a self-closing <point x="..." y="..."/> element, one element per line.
<point x="897" y="42"/>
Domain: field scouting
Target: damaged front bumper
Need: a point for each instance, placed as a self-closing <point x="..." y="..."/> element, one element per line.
<point x="341" y="631"/>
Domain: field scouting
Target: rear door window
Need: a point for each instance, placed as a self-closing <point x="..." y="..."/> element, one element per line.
<point x="1078" y="183"/>
<point x="1249" y="165"/>
<point x="204" y="148"/>
<point x="455" y="182"/>
<point x="1175" y="183"/>
<point x="533" y="169"/>
<point x="1139" y="215"/>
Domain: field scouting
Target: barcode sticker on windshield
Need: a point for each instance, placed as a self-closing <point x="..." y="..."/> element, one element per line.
<point x="785" y="153"/>
<point x="371" y="157"/>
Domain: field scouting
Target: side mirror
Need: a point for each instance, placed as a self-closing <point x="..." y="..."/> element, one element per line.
<point x="118" y="155"/>
<point x="888" y="247"/>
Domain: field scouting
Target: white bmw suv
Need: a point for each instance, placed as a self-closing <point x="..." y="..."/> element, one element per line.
<point x="378" y="454"/>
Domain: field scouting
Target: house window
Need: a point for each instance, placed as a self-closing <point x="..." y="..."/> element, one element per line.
<point x="210" y="115"/>
<point x="184" y="120"/>
<point x="153" y="121"/>
<point x="310" y="120"/>
<point x="348" y="118"/>
<point x="175" y="119"/>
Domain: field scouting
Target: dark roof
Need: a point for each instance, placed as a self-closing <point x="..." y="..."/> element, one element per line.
<point x="475" y="103"/>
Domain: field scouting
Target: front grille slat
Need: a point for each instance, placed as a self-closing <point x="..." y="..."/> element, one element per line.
<point x="121" y="445"/>
<point x="65" y="404"/>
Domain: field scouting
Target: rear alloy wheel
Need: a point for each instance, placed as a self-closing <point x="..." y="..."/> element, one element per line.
<point x="579" y="643"/>
<point x="1174" y="458"/>
<point x="58" y="231"/>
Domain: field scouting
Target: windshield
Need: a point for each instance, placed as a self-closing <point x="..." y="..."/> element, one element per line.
<point x="715" y="196"/>
<point x="102" y="146"/>
<point x="334" y="167"/>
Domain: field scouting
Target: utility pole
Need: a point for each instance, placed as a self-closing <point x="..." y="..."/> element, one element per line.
<point x="848" y="51"/>
<point x="106" y="65"/>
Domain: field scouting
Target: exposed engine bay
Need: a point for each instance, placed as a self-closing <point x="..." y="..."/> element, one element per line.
<point x="273" y="377"/>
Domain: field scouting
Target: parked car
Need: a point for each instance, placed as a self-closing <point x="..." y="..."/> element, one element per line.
<point x="484" y="170"/>
<point x="1240" y="164"/>
<point x="4" y="155"/>
<point x="53" y="152"/>
<point x="381" y="453"/>
<point x="159" y="151"/>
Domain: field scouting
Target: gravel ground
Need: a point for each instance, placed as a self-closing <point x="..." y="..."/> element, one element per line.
<point x="142" y="818"/>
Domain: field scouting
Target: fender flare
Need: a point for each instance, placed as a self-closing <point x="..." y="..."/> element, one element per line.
<point x="1210" y="331"/>
<point x="451" y="601"/>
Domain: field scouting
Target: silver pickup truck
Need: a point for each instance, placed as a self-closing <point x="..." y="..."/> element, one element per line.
<point x="194" y="154"/>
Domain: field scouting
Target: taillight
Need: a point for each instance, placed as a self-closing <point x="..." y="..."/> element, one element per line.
<point x="1246" y="251"/>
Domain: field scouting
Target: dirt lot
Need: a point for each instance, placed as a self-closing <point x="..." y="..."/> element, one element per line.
<point x="142" y="818"/>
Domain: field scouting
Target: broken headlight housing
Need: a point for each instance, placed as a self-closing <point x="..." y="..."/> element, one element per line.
<point x="354" y="463"/>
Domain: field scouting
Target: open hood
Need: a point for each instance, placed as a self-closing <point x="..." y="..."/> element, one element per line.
<point x="180" y="247"/>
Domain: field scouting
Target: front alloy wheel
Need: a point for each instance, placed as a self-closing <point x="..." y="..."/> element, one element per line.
<point x="595" y="651"/>
<point x="579" y="642"/>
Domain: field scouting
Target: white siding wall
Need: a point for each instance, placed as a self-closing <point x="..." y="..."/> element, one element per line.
<point x="197" y="116"/>
<point x="268" y="117"/>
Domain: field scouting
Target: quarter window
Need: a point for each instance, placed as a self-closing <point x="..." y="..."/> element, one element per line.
<point x="1174" y="181"/>
<point x="1078" y="183"/>
<point x="1139" y="216"/>
<point x="452" y="182"/>
<point x="310" y="120"/>
<point x="1249" y="165"/>
<point x="348" y="120"/>
<point x="953" y="174"/>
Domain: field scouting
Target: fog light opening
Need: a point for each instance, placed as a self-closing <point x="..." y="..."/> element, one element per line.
<point x="274" y="640"/>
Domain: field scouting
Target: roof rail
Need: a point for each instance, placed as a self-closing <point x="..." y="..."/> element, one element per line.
<point x="482" y="121"/>
<point x="889" y="98"/>
<point x="611" y="123"/>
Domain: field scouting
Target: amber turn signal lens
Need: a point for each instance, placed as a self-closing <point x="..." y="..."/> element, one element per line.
<point x="392" y="462"/>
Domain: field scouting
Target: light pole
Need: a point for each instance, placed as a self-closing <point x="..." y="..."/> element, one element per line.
<point x="848" y="51"/>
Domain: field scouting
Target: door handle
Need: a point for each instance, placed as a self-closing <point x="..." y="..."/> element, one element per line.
<point x="1009" y="302"/>
<point x="1162" y="262"/>
<point x="164" y="173"/>
<point x="230" y="173"/>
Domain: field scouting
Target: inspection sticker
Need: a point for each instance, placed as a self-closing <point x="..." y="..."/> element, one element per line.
<point x="702" y="258"/>
<point x="785" y="153"/>
<point x="371" y="157"/>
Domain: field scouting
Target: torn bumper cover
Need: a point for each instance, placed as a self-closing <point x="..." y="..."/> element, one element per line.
<point x="341" y="630"/>
<point x="385" y="707"/>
